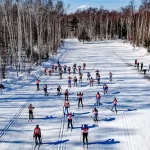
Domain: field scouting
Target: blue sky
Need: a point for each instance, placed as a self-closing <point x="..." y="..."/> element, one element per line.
<point x="109" y="4"/>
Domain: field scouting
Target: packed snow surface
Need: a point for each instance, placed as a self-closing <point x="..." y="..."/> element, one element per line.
<point x="129" y="129"/>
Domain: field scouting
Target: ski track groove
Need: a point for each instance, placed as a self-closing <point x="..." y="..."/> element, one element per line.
<point x="126" y="129"/>
<point x="15" y="117"/>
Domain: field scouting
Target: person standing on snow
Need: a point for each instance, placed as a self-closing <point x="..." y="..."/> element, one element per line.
<point x="95" y="113"/>
<point x="105" y="88"/>
<point x="69" y="116"/>
<point x="80" y="95"/>
<point x="80" y="77"/>
<point x="110" y="76"/>
<point x="66" y="94"/>
<point x="60" y="74"/>
<point x="79" y="68"/>
<point x="91" y="81"/>
<point x="138" y="66"/>
<point x="65" y="68"/>
<point x="59" y="90"/>
<point x="45" y="89"/>
<point x="53" y="67"/>
<point x="84" y="65"/>
<point x="141" y="66"/>
<point x="66" y="106"/>
<point x="74" y="69"/>
<point x="45" y="71"/>
<point x="98" y="97"/>
<point x="88" y="76"/>
<point x="37" y="84"/>
<point x="30" y="107"/>
<point x="98" y="79"/>
<point x="69" y="70"/>
<point x="37" y="135"/>
<point x="69" y="81"/>
<point x="114" y="104"/>
<point x="49" y="72"/>
<point x="97" y="73"/>
<point x="84" y="130"/>
<point x="75" y="81"/>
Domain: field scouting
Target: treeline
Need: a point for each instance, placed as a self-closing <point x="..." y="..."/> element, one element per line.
<point x="29" y="28"/>
<point x="36" y="28"/>
<point x="97" y="24"/>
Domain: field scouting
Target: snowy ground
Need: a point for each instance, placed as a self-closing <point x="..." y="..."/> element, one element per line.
<point x="127" y="130"/>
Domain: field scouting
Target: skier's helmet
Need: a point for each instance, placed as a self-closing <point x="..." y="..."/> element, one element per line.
<point x="37" y="126"/>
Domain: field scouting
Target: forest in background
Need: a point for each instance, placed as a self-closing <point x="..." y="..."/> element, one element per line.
<point x="31" y="31"/>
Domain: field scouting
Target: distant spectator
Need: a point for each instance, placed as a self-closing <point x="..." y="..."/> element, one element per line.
<point x="141" y="66"/>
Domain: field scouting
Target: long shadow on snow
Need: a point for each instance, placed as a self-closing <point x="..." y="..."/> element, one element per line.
<point x="56" y="143"/>
<point x="90" y="126"/>
<point x="107" y="119"/>
<point x="25" y="142"/>
<point x="46" y="118"/>
<point x="109" y="141"/>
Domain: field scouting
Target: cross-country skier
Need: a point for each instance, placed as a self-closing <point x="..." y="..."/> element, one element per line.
<point x="110" y="76"/>
<point x="60" y="68"/>
<point x="91" y="81"/>
<point x="88" y="76"/>
<point x="50" y="72"/>
<point x="141" y="66"/>
<point x="65" y="68"/>
<point x="37" y="135"/>
<point x="80" y="77"/>
<point x="95" y="113"/>
<point x="98" y="97"/>
<point x="84" y="130"/>
<point x="114" y="104"/>
<point x="53" y="67"/>
<point x="69" y="81"/>
<point x="84" y="65"/>
<point x="79" y="68"/>
<point x="69" y="69"/>
<point x="138" y="65"/>
<point x="69" y="116"/>
<point x="37" y="84"/>
<point x="60" y="74"/>
<point x="66" y="106"/>
<point x="98" y="79"/>
<point x="75" y="65"/>
<point x="59" y="90"/>
<point x="105" y="88"/>
<point x="66" y="93"/>
<point x="30" y="107"/>
<point x="80" y="95"/>
<point x="45" y="89"/>
<point x="74" y="69"/>
<point x="75" y="81"/>
<point x="45" y="71"/>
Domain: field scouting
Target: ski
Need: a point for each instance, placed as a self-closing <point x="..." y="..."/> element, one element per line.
<point x="35" y="146"/>
<point x="95" y="121"/>
<point x="39" y="146"/>
<point x="84" y="145"/>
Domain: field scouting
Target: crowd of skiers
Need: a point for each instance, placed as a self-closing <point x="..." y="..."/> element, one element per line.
<point x="58" y="68"/>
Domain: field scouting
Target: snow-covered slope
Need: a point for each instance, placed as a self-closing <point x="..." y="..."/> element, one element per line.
<point x="127" y="130"/>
